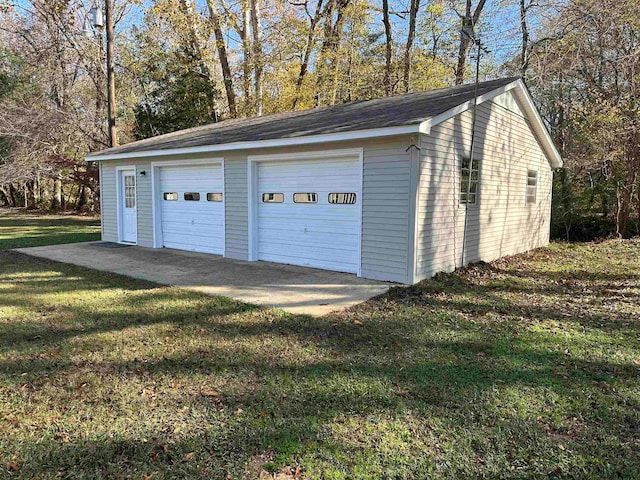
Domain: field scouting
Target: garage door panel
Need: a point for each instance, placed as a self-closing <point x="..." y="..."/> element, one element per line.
<point x="315" y="263"/>
<point x="321" y="234"/>
<point x="322" y="240"/>
<point x="178" y="238"/>
<point x="192" y="225"/>
<point x="300" y="220"/>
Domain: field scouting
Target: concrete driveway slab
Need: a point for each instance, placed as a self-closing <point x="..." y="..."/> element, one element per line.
<point x="294" y="289"/>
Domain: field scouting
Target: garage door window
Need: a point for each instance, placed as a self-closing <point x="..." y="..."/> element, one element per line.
<point x="342" y="198"/>
<point x="305" y="198"/>
<point x="192" y="197"/>
<point x="272" y="197"/>
<point x="170" y="196"/>
<point x="214" y="197"/>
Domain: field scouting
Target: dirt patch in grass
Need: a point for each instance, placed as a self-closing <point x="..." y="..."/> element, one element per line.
<point x="524" y="368"/>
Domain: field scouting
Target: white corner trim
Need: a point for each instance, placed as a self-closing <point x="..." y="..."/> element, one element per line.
<point x="360" y="230"/>
<point x="252" y="220"/>
<point x="156" y="211"/>
<point x="280" y="142"/>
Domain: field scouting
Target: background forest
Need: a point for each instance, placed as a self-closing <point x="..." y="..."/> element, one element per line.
<point x="182" y="63"/>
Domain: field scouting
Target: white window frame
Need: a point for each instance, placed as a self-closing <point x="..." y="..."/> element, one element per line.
<point x="526" y="187"/>
<point x="477" y="194"/>
<point x="252" y="184"/>
<point x="120" y="171"/>
<point x="156" y="195"/>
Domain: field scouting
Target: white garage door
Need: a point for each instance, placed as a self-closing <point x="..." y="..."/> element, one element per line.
<point x="192" y="208"/>
<point x="309" y="213"/>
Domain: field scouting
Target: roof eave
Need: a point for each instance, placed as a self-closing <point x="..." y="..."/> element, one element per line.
<point x="279" y="142"/>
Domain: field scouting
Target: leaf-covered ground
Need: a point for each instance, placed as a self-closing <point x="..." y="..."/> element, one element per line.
<point x="525" y="368"/>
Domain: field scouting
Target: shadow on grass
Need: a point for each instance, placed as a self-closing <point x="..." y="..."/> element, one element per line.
<point x="413" y="356"/>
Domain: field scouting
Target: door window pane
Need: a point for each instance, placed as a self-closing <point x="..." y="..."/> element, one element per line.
<point x="129" y="191"/>
<point x="214" y="197"/>
<point x="192" y="197"/>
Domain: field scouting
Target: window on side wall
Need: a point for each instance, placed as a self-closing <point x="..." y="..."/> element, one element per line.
<point x="532" y="186"/>
<point x="469" y="181"/>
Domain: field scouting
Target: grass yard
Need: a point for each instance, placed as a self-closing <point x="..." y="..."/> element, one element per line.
<point x="525" y="368"/>
<point x="19" y="229"/>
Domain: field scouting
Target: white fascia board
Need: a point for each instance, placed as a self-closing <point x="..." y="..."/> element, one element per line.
<point x="469" y="104"/>
<point x="280" y="142"/>
<point x="531" y="110"/>
<point x="555" y="159"/>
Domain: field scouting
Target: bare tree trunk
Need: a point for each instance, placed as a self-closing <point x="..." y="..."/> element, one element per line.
<point x="624" y="195"/>
<point x="256" y="29"/>
<point x="111" y="76"/>
<point x="221" y="46"/>
<point x="30" y="195"/>
<point x="13" y="202"/>
<point x="413" y="13"/>
<point x="196" y="47"/>
<point x="524" y="52"/>
<point x="304" y="67"/>
<point x="388" y="47"/>
<point x="224" y="59"/>
<point x="468" y="22"/>
<point x="56" y="202"/>
<point x="246" y="48"/>
<point x="327" y="60"/>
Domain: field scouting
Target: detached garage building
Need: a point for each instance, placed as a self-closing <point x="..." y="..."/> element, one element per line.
<point x="376" y="188"/>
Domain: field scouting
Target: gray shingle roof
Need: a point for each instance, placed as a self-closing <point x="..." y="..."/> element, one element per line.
<point x="393" y="111"/>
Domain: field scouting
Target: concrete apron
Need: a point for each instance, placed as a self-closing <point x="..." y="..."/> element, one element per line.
<point x="294" y="289"/>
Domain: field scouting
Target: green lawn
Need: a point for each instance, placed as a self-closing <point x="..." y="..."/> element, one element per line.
<point x="526" y="368"/>
<point x="21" y="229"/>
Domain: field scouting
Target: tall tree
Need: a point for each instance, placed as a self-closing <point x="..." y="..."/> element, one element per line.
<point x="388" y="50"/>
<point x="221" y="46"/>
<point x="413" y="15"/>
<point x="256" y="30"/>
<point x="468" y="22"/>
<point x="308" y="48"/>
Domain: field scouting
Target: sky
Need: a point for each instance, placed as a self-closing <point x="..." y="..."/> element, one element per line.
<point x="499" y="31"/>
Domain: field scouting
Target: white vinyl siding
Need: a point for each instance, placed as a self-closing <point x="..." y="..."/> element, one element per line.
<point x="385" y="210"/>
<point x="384" y="197"/>
<point x="236" y="205"/>
<point x="501" y="223"/>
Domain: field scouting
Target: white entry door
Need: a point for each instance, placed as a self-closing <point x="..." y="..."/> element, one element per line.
<point x="309" y="213"/>
<point x="128" y="207"/>
<point x="192" y="207"/>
